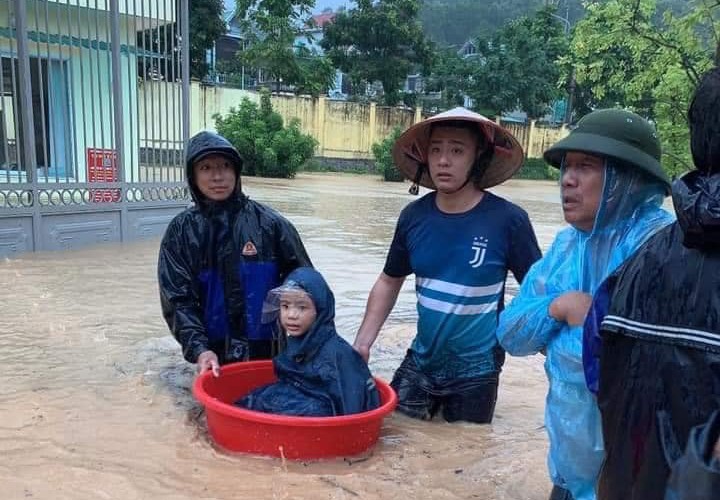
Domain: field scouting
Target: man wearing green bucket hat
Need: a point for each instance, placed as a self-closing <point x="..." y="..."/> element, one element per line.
<point x="460" y="241"/>
<point x="612" y="188"/>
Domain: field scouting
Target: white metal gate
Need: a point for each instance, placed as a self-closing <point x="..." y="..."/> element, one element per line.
<point x="91" y="144"/>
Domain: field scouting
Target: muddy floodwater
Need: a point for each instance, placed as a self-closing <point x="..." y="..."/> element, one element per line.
<point x="95" y="398"/>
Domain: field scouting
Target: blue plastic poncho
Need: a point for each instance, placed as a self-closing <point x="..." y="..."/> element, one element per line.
<point x="318" y="374"/>
<point x="629" y="213"/>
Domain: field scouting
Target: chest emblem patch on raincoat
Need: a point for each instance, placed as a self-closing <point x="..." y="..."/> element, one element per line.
<point x="249" y="249"/>
<point x="479" y="247"/>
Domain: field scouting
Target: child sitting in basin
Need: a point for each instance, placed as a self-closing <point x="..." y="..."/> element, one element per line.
<point x="318" y="373"/>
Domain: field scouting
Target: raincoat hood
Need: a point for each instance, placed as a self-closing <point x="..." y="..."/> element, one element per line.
<point x="625" y="189"/>
<point x="204" y="144"/>
<point x="628" y="196"/>
<point x="318" y="373"/>
<point x="696" y="197"/>
<point x="302" y="349"/>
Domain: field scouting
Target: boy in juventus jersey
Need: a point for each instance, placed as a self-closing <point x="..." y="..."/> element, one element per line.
<point x="459" y="241"/>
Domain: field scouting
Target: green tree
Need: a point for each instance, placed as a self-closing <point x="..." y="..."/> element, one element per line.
<point x="378" y="42"/>
<point x="316" y="74"/>
<point x="206" y="26"/>
<point x="269" y="148"/>
<point x="453" y="22"/>
<point x="648" y="61"/>
<point x="518" y="66"/>
<point x="384" y="162"/>
<point x="272" y="27"/>
<point x="450" y="76"/>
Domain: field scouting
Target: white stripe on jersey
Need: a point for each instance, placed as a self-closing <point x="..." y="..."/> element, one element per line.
<point x="459" y="290"/>
<point x="460" y="309"/>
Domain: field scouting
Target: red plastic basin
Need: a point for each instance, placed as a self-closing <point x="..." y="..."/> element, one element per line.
<point x="240" y="430"/>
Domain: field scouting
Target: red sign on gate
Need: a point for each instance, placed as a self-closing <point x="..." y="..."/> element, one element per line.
<point x="102" y="167"/>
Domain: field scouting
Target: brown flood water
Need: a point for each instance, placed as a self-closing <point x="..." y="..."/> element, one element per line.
<point x="95" y="400"/>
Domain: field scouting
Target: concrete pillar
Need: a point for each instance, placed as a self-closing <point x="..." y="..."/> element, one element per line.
<point x="529" y="153"/>
<point x="372" y="127"/>
<point x="320" y="126"/>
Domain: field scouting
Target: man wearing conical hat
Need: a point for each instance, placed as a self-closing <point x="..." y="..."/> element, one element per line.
<point x="460" y="241"/>
<point x="612" y="189"/>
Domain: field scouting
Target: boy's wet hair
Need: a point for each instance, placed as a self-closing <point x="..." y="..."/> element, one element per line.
<point x="483" y="153"/>
<point x="704" y="120"/>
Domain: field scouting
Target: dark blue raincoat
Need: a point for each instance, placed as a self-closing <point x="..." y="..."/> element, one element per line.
<point x="319" y="374"/>
<point x="217" y="262"/>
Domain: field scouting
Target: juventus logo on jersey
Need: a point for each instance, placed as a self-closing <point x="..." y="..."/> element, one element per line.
<point x="479" y="247"/>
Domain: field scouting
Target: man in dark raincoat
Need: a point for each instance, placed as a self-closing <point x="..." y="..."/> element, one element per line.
<point x="219" y="258"/>
<point x="655" y="360"/>
<point x="319" y="374"/>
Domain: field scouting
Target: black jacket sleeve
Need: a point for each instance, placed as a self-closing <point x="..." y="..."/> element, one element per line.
<point x="290" y="248"/>
<point x="179" y="297"/>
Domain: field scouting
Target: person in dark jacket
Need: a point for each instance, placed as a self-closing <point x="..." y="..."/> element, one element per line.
<point x="219" y="258"/>
<point x="319" y="374"/>
<point x="652" y="338"/>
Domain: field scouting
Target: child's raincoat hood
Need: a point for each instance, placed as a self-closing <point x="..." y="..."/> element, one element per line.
<point x="303" y="348"/>
<point x="319" y="373"/>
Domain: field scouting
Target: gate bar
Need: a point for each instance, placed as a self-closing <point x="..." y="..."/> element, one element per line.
<point x="118" y="114"/>
<point x="26" y="111"/>
<point x="185" y="33"/>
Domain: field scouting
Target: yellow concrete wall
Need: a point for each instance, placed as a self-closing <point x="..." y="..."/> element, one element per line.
<point x="543" y="138"/>
<point x="206" y="101"/>
<point x="347" y="130"/>
<point x="304" y="109"/>
<point x="388" y="118"/>
<point x="535" y="139"/>
<point x="343" y="129"/>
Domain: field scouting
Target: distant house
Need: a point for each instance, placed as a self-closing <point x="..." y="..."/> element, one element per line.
<point x="467" y="49"/>
<point x="222" y="56"/>
<point x="310" y="38"/>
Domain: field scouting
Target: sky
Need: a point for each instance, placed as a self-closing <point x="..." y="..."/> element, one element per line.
<point x="334" y="4"/>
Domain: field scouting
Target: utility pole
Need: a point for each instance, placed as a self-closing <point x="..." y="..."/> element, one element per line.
<point x="571" y="83"/>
